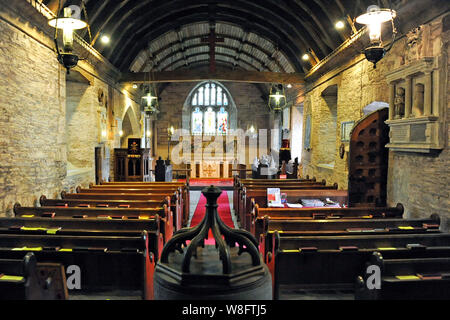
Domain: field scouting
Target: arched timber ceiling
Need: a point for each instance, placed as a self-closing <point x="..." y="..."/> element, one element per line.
<point x="259" y="35"/>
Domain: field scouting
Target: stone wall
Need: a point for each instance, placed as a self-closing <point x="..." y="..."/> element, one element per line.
<point x="32" y="120"/>
<point x="41" y="150"/>
<point x="419" y="181"/>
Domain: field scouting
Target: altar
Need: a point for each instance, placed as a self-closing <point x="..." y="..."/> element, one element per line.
<point x="212" y="157"/>
<point x="211" y="169"/>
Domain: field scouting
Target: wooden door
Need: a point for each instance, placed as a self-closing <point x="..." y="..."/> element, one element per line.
<point x="368" y="161"/>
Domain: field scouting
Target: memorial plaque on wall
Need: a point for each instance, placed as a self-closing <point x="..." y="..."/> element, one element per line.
<point x="134" y="146"/>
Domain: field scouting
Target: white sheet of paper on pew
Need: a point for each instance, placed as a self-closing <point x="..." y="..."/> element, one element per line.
<point x="312" y="203"/>
<point x="294" y="205"/>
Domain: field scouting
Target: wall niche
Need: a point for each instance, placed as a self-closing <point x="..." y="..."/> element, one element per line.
<point x="416" y="114"/>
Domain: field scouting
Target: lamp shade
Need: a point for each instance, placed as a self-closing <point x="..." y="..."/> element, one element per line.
<point x="67" y="22"/>
<point x="376" y="15"/>
<point x="277" y="97"/>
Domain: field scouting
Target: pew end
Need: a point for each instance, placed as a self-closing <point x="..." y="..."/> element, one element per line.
<point x="16" y="208"/>
<point x="42" y="200"/>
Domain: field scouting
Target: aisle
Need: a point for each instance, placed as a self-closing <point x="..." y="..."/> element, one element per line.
<point x="197" y="210"/>
<point x="224" y="208"/>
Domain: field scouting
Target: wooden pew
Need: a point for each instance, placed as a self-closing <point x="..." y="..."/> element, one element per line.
<point x="413" y="275"/>
<point x="162" y="216"/>
<point x="250" y="197"/>
<point x="177" y="208"/>
<point x="264" y="184"/>
<point x="344" y="226"/>
<point x="126" y="196"/>
<point x="335" y="261"/>
<point x="153" y="185"/>
<point x="107" y="263"/>
<point x="341" y="227"/>
<point x="238" y="184"/>
<point x="136" y="195"/>
<point x="44" y="202"/>
<point x="73" y="226"/>
<point x="260" y="216"/>
<point x="243" y="191"/>
<point x="25" y="279"/>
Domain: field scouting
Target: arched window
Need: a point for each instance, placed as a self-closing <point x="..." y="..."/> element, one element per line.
<point x="209" y="115"/>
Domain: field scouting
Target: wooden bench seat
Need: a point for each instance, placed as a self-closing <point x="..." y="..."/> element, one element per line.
<point x="249" y="197"/>
<point x="257" y="213"/>
<point x="122" y="191"/>
<point x="345" y="225"/>
<point x="177" y="223"/>
<point x="22" y="278"/>
<point x="163" y="216"/>
<point x="240" y="184"/>
<point x="107" y="263"/>
<point x="335" y="261"/>
<point x="181" y="187"/>
<point x="72" y="226"/>
<point x="341" y="227"/>
<point x="416" y="276"/>
<point x="44" y="202"/>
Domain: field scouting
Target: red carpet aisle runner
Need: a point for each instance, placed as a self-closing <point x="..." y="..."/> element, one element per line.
<point x="223" y="210"/>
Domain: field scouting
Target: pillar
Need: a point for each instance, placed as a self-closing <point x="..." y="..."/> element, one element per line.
<point x="391" y="100"/>
<point x="428" y="88"/>
<point x="408" y="97"/>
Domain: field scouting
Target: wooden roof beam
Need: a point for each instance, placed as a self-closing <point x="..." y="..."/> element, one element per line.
<point x="219" y="75"/>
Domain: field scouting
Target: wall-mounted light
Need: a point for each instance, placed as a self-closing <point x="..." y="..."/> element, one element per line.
<point x="148" y="133"/>
<point x="289" y="86"/>
<point x="68" y="22"/>
<point x="277" y="97"/>
<point x="121" y="133"/>
<point x="104" y="133"/>
<point x="339" y="25"/>
<point x="373" y="19"/>
<point x="105" y="39"/>
<point x="135" y="86"/>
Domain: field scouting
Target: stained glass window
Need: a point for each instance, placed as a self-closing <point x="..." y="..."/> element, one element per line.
<point x="207" y="95"/>
<point x="213" y="94"/>
<point x="197" y="121"/>
<point x="210" y="121"/>
<point x="200" y="96"/>
<point x="206" y="116"/>
<point x="219" y="96"/>
<point x="222" y="121"/>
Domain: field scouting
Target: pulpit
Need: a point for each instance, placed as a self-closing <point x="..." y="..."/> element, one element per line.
<point x="132" y="166"/>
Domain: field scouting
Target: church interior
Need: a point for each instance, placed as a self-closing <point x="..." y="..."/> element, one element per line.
<point x="224" y="150"/>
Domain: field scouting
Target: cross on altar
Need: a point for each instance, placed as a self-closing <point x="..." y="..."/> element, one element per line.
<point x="212" y="40"/>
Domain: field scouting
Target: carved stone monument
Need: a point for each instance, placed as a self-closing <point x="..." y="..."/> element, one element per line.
<point x="417" y="92"/>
